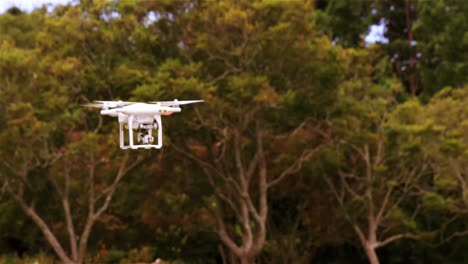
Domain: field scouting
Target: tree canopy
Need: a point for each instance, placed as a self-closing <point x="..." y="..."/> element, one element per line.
<point x="310" y="146"/>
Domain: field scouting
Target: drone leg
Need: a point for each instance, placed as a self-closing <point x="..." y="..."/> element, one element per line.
<point x="130" y="131"/>
<point x="121" y="133"/>
<point x="159" y="122"/>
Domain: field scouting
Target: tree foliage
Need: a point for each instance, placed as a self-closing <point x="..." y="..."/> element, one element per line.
<point x="308" y="142"/>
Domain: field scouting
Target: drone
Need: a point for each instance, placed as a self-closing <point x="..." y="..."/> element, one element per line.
<point x="141" y="117"/>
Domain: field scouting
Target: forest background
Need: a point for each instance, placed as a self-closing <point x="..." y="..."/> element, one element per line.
<point x="310" y="147"/>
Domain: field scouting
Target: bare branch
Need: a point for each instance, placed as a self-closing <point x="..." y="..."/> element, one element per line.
<point x="11" y="168"/>
<point x="252" y="208"/>
<point x="397" y="237"/>
<point x="338" y="196"/>
<point x="459" y="175"/>
<point x="68" y="216"/>
<point x="48" y="234"/>
<point x="346" y="186"/>
<point x="198" y="160"/>
<point x="226" y="180"/>
<point x="123" y="170"/>
<point x="452" y="236"/>
<point x="221" y="195"/>
<point x="360" y="234"/>
<point x="238" y="159"/>
<point x="223" y="235"/>
<point x="383" y="206"/>
<point x="220" y="77"/>
<point x="247" y="237"/>
<point x="252" y="166"/>
<point x="295" y="166"/>
<point x="379" y="156"/>
<point x="99" y="125"/>
<point x="262" y="181"/>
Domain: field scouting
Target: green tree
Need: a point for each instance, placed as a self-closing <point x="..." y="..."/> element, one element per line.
<point x="441" y="36"/>
<point x="444" y="120"/>
<point x="402" y="47"/>
<point x="346" y="21"/>
<point x="21" y="28"/>
<point x="425" y="42"/>
<point x="45" y="146"/>
<point x="247" y="61"/>
<point x="373" y="169"/>
<point x="34" y="160"/>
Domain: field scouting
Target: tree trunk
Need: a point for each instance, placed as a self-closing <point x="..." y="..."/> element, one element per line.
<point x="246" y="259"/>
<point x="412" y="57"/>
<point x="48" y="234"/>
<point x="371" y="254"/>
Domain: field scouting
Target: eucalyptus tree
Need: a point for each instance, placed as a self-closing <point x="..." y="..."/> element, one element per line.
<point x="443" y="53"/>
<point x="374" y="168"/>
<point x="61" y="173"/>
<point x="442" y="122"/>
<point x="260" y="67"/>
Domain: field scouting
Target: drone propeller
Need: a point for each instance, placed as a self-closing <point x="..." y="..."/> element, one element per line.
<point x="93" y="105"/>
<point x="115" y="103"/>
<point x="107" y="104"/>
<point x="176" y="102"/>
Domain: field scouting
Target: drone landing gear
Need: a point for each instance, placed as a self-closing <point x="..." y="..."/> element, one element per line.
<point x="145" y="134"/>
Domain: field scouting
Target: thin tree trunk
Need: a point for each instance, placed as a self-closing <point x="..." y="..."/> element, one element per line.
<point x="367" y="245"/>
<point x="84" y="238"/>
<point x="222" y="254"/>
<point x="371" y="254"/>
<point x="246" y="259"/>
<point x="50" y="237"/>
<point x="412" y="59"/>
<point x="71" y="230"/>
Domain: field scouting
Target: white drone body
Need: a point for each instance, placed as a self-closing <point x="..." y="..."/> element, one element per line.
<point x="141" y="117"/>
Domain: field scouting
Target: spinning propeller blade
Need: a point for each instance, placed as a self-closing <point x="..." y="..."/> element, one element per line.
<point x="107" y="104"/>
<point x="114" y="103"/>
<point x="176" y="102"/>
<point x="93" y="105"/>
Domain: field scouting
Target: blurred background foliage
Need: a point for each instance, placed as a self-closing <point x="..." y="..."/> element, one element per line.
<point x="304" y="72"/>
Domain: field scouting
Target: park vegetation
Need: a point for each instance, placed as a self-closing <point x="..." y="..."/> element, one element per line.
<point x="311" y="145"/>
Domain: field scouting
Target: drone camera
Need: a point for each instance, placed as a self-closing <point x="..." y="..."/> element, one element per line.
<point x="146" y="126"/>
<point x="146" y="139"/>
